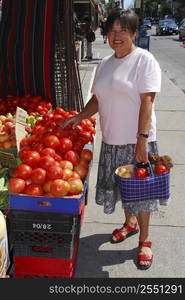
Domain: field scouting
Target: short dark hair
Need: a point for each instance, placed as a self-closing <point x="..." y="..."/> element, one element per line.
<point x="128" y="19"/>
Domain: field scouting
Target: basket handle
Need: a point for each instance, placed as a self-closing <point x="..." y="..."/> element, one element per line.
<point x="149" y="165"/>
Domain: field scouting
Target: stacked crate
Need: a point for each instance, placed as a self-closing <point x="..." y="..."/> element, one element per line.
<point x="45" y="239"/>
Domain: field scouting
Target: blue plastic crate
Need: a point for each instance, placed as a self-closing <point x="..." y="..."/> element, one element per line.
<point x="69" y="205"/>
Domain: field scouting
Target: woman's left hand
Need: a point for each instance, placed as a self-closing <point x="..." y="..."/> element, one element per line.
<point x="141" y="150"/>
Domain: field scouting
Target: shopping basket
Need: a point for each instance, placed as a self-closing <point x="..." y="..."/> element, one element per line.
<point x="150" y="188"/>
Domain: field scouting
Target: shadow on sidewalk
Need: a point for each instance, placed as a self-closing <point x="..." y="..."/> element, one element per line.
<point x="91" y="259"/>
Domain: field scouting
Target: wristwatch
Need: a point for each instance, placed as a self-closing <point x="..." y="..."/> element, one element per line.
<point x="140" y="134"/>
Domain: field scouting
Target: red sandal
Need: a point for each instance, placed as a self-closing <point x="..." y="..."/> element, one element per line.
<point x="120" y="236"/>
<point x="144" y="257"/>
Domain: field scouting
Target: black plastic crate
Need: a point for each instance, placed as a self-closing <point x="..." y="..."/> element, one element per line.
<point x="43" y="221"/>
<point x="48" y="245"/>
<point x="41" y="234"/>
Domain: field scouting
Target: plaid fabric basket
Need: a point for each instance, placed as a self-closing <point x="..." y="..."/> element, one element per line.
<point x="150" y="188"/>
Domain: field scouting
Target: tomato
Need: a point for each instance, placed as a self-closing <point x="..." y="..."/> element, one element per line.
<point x="72" y="156"/>
<point x="84" y="162"/>
<point x="55" y="172"/>
<point x="48" y="151"/>
<point x="59" y="111"/>
<point x="58" y="119"/>
<point x="76" y="186"/>
<point x="59" y="188"/>
<point x="31" y="158"/>
<point x="38" y="176"/>
<point x="86" y="136"/>
<point x="67" y="173"/>
<point x="75" y="175"/>
<point x="78" y="146"/>
<point x="34" y="190"/>
<point x="24" y="142"/>
<point x="52" y="141"/>
<point x="141" y="173"/>
<point x="48" y="117"/>
<point x="160" y="169"/>
<point x="38" y="147"/>
<point x="47" y="186"/>
<point x="65" y="145"/>
<point x="81" y="170"/>
<point x="86" y="154"/>
<point x="16" y="185"/>
<point x="46" y="162"/>
<point x="22" y="171"/>
<point x="66" y="164"/>
<point x="86" y="124"/>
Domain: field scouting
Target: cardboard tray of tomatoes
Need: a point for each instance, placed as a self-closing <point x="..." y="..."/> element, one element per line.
<point x="67" y="204"/>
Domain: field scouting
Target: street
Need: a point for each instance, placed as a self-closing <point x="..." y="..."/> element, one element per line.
<point x="170" y="53"/>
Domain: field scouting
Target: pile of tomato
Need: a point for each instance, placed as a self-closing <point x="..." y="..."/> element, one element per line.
<point x="54" y="160"/>
<point x="33" y="105"/>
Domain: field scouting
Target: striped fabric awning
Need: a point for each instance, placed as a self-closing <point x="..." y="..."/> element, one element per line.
<point x="27" y="47"/>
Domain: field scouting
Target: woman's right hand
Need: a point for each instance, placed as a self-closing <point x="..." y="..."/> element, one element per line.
<point x="75" y="120"/>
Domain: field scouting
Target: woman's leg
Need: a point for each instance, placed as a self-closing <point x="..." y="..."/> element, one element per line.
<point x="130" y="221"/>
<point x="143" y="221"/>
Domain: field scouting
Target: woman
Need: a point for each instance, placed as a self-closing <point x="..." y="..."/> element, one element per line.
<point x="123" y="93"/>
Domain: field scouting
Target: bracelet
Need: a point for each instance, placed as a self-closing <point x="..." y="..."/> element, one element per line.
<point x="140" y="134"/>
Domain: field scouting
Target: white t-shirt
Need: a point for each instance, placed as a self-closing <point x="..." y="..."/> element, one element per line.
<point x="117" y="85"/>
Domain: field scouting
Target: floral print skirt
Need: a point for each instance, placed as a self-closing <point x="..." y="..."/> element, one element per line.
<point x="107" y="190"/>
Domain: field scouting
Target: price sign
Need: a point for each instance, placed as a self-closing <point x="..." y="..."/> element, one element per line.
<point x="20" y="123"/>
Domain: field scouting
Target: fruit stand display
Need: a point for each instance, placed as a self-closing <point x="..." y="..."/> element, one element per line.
<point x="46" y="167"/>
<point x="47" y="191"/>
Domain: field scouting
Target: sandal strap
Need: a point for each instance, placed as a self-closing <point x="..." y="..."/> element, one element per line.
<point x="145" y="244"/>
<point x="129" y="228"/>
<point x="144" y="257"/>
<point x="119" y="235"/>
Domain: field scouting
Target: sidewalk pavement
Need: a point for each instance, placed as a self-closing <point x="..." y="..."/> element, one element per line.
<point x="97" y="257"/>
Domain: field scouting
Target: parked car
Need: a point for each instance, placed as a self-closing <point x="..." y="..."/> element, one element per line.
<point x="147" y="23"/>
<point x="166" y="26"/>
<point x="182" y="31"/>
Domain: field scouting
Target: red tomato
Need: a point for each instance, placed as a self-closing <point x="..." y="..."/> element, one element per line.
<point x="86" y="136"/>
<point x="48" y="151"/>
<point x="78" y="146"/>
<point x="47" y="186"/>
<point x="86" y="154"/>
<point x="38" y="147"/>
<point x="48" y="117"/>
<point x="141" y="173"/>
<point x="160" y="169"/>
<point x="86" y="124"/>
<point x="75" y="175"/>
<point x="16" y="185"/>
<point x="46" y="162"/>
<point x="81" y="170"/>
<point x="59" y="111"/>
<point x="66" y="164"/>
<point x="59" y="188"/>
<point x="58" y="119"/>
<point x="31" y="158"/>
<point x="34" y="190"/>
<point x="72" y="156"/>
<point x="38" y="176"/>
<point x="52" y="141"/>
<point x="58" y="157"/>
<point x="84" y="162"/>
<point x="24" y="142"/>
<point x="65" y="145"/>
<point x="76" y="186"/>
<point x="54" y="172"/>
<point x="22" y="171"/>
